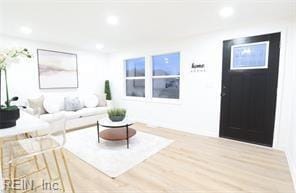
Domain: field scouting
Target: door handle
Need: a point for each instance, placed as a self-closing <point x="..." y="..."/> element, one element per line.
<point x="223" y="94"/>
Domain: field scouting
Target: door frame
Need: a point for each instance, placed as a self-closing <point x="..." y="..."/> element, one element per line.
<point x="278" y="95"/>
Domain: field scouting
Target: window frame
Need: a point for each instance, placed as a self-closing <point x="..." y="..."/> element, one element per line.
<point x="135" y="78"/>
<point x="149" y="80"/>
<point x="158" y="99"/>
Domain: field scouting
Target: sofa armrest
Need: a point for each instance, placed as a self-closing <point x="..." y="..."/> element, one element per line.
<point x="34" y="112"/>
<point x="29" y="110"/>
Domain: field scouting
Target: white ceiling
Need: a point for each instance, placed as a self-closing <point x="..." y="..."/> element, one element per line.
<point x="82" y="23"/>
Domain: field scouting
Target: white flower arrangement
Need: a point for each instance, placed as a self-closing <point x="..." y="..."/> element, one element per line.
<point x="3" y="57"/>
<point x="7" y="57"/>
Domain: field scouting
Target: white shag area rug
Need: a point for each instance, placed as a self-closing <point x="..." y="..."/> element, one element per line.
<point x="110" y="157"/>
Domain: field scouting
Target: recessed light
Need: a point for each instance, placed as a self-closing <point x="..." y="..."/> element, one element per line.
<point x="26" y="30"/>
<point x="112" y="20"/>
<point x="100" y="46"/>
<point x="226" y="12"/>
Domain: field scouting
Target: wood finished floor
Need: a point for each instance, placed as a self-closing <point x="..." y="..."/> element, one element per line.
<point x="192" y="164"/>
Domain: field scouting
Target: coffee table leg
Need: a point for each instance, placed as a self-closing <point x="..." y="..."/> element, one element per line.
<point x="98" y="129"/>
<point x="127" y="138"/>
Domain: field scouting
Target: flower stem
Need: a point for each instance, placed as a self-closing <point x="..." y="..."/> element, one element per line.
<point x="0" y="89"/>
<point x="7" y="95"/>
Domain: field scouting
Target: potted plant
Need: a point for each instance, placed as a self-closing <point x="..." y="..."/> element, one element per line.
<point x="108" y="93"/>
<point x="9" y="113"/>
<point x="116" y="114"/>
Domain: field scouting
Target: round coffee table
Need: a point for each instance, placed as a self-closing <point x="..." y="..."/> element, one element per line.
<point x="116" y="131"/>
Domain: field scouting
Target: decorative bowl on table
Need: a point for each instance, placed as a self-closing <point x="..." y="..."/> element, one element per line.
<point x="116" y="114"/>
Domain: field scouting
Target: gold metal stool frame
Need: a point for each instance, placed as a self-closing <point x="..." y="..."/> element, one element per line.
<point x="51" y="143"/>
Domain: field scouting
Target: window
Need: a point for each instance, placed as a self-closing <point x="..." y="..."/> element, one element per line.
<point x="250" y="56"/>
<point x="135" y="77"/>
<point x="166" y="76"/>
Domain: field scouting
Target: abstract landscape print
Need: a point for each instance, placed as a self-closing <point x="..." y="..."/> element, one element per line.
<point x="57" y="69"/>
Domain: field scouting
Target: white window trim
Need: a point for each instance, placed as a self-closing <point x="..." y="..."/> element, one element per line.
<point x="169" y="76"/>
<point x="149" y="79"/>
<point x="135" y="77"/>
<point x="138" y="98"/>
<point x="165" y="100"/>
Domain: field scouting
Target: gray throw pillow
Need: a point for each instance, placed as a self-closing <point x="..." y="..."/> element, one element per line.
<point x="72" y="104"/>
<point x="37" y="105"/>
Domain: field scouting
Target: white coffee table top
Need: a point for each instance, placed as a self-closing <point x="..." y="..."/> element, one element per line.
<point x="106" y="122"/>
<point x="25" y="124"/>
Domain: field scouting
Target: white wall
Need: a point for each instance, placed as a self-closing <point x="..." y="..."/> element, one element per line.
<point x="23" y="77"/>
<point x="291" y="147"/>
<point x="199" y="108"/>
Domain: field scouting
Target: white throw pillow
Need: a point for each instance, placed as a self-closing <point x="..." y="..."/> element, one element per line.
<point x="91" y="101"/>
<point x="53" y="104"/>
<point x="102" y="102"/>
<point x="37" y="105"/>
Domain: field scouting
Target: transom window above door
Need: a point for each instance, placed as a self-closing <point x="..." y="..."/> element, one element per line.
<point x="250" y="56"/>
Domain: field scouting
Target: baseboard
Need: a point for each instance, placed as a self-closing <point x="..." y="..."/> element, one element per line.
<point x="292" y="166"/>
<point x="205" y="132"/>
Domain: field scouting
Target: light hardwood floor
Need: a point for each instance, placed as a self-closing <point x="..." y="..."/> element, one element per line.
<point x="192" y="164"/>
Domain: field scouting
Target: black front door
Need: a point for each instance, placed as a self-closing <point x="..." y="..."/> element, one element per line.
<point x="249" y="88"/>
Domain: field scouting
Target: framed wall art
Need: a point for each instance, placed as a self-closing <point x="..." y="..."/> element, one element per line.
<point x="57" y="70"/>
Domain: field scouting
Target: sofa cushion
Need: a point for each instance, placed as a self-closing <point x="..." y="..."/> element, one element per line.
<point x="71" y="115"/>
<point x="51" y="117"/>
<point x="85" y="112"/>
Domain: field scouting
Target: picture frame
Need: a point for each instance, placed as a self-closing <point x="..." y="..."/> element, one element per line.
<point x="57" y="70"/>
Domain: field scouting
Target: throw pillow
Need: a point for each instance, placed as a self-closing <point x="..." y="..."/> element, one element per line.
<point x="53" y="104"/>
<point x="72" y="104"/>
<point x="37" y="104"/>
<point x="102" y="100"/>
<point x="91" y="101"/>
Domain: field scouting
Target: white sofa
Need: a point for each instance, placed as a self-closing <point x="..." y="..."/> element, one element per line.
<point x="81" y="118"/>
<point x="84" y="117"/>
